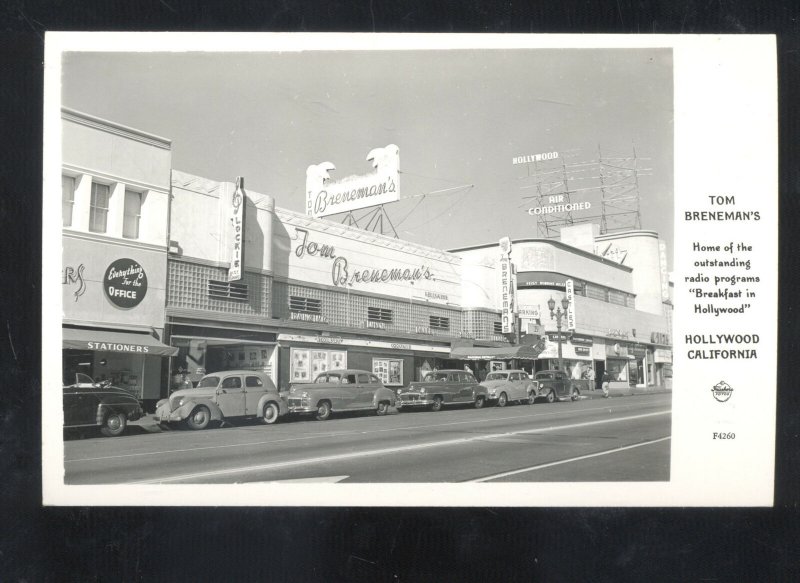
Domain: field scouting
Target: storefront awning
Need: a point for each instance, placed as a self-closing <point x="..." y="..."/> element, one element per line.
<point x="504" y="352"/>
<point x="115" y="341"/>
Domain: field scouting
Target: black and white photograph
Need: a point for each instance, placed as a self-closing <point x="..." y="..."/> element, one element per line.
<point x="307" y="270"/>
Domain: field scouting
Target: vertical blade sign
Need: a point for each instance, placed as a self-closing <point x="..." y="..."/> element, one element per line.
<point x="507" y="292"/>
<point x="237" y="231"/>
<point x="571" y="309"/>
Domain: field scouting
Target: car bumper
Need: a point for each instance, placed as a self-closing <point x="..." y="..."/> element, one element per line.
<point x="164" y="415"/>
<point x="415" y="401"/>
<point x="302" y="409"/>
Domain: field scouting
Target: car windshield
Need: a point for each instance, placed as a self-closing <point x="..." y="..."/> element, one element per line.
<point x="208" y="382"/>
<point x="435" y="377"/>
<point x="497" y="376"/>
<point x="544" y="375"/>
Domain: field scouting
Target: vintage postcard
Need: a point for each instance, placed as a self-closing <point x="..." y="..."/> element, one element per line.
<point x="409" y="270"/>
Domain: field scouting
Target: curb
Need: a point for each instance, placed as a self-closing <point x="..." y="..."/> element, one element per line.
<point x="613" y="393"/>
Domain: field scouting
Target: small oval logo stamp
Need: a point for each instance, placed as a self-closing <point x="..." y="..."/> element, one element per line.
<point x="722" y="391"/>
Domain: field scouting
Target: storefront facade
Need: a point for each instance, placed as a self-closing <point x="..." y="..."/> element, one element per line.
<point x="314" y="295"/>
<point x="115" y="193"/>
<point x="160" y="263"/>
<point x="620" y="311"/>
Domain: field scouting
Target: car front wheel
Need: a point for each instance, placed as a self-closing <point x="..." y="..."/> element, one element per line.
<point x="114" y="425"/>
<point x="437" y="404"/>
<point x="551" y="397"/>
<point x="502" y="400"/>
<point x="323" y="411"/>
<point x="383" y="408"/>
<point x="199" y="418"/>
<point x="271" y="413"/>
<point x="575" y="394"/>
<point x="479" y="402"/>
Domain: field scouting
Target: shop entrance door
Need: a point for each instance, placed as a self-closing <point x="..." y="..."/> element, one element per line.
<point x="599" y="371"/>
<point x="231" y="396"/>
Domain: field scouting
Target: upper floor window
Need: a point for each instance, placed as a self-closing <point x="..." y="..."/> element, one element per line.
<point x="616" y="297"/>
<point x="379" y="315"/>
<point x="497" y="327"/>
<point x="227" y="290"/>
<point x="596" y="292"/>
<point x="98" y="208"/>
<point x="305" y="305"/>
<point x="67" y="199"/>
<point x="133" y="214"/>
<point x="439" y="323"/>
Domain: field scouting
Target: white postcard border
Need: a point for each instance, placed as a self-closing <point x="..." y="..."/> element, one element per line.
<point x="725" y="114"/>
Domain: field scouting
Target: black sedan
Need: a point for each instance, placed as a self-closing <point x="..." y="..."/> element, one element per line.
<point x="91" y="404"/>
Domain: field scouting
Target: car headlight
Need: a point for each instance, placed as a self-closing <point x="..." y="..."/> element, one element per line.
<point x="180" y="402"/>
<point x="492" y="392"/>
<point x="304" y="395"/>
<point x="422" y="390"/>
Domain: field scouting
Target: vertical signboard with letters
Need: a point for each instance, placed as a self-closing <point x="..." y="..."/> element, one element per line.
<point x="507" y="286"/>
<point x="571" y="308"/>
<point x="237" y="231"/>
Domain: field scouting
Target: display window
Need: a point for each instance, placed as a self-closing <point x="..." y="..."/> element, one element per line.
<point x="306" y="364"/>
<point x="618" y="369"/>
<point x="496" y="365"/>
<point x="389" y="370"/>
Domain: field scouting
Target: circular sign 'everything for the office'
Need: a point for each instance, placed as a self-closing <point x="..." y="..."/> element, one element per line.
<point x="125" y="283"/>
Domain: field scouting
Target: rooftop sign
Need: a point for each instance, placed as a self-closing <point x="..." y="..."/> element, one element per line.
<point x="328" y="197"/>
<point x="534" y="158"/>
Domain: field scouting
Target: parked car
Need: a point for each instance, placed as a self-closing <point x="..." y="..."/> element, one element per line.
<point x="223" y="395"/>
<point x="555" y="385"/>
<point x="341" y="390"/>
<point x="443" y="387"/>
<point x="509" y="385"/>
<point x="87" y="404"/>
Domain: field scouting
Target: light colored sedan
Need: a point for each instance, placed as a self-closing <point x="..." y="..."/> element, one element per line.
<point x="222" y="395"/>
<point x="341" y="390"/>
<point x="509" y="385"/>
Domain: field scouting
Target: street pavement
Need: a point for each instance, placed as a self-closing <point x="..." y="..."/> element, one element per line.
<point x="590" y="440"/>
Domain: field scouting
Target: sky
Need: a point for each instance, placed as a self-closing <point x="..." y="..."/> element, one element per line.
<point x="457" y="116"/>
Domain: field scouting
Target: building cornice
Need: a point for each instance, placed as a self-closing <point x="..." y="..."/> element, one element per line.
<point x="557" y="244"/>
<point x="97" y="238"/>
<point x="626" y="235"/>
<point x="111" y="127"/>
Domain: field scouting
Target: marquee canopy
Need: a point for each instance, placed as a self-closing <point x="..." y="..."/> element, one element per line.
<point x="523" y="352"/>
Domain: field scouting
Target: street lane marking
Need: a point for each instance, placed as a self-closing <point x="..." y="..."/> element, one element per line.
<point x="567" y="461"/>
<point x="338" y="434"/>
<point x="383" y="451"/>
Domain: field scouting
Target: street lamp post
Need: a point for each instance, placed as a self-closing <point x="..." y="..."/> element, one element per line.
<point x="557" y="314"/>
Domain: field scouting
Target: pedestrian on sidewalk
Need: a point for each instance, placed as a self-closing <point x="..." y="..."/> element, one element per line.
<point x="606" y="382"/>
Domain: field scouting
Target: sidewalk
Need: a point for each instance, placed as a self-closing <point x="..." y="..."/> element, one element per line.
<point x="625" y="392"/>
